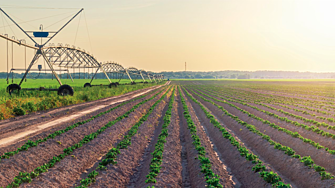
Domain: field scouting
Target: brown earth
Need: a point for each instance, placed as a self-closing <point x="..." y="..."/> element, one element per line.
<point x="291" y="169"/>
<point x="65" y="172"/>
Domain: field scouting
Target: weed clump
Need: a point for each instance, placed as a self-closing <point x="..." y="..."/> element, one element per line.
<point x="18" y="111"/>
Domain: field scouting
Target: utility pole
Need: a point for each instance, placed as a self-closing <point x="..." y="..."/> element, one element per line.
<point x="185" y="66"/>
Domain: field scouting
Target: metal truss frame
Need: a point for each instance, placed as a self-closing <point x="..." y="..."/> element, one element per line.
<point x="135" y="72"/>
<point x="116" y="70"/>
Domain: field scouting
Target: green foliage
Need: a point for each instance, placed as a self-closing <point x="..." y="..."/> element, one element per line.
<point x="269" y="177"/>
<point x="111" y="156"/>
<point x="32" y="101"/>
<point x="67" y="151"/>
<point x="18" y="111"/>
<point x="30" y="143"/>
<point x="212" y="179"/>
<point x="306" y="160"/>
<point x="157" y="155"/>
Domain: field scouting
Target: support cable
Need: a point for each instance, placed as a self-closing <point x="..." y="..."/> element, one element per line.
<point x="25" y="60"/>
<point x="29" y="7"/>
<point x="7" y="62"/>
<point x="10" y="28"/>
<point x="23" y="22"/>
<point x="3" y="23"/>
<point x="60" y="20"/>
<point x="75" y="38"/>
<point x="38" y="19"/>
<point x="89" y="38"/>
<point x="12" y="61"/>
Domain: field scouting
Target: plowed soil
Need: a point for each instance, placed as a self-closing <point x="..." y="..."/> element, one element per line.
<point x="181" y="165"/>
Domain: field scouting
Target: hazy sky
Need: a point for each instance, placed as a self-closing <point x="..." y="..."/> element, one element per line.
<point x="160" y="35"/>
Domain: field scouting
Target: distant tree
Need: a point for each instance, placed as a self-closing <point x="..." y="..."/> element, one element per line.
<point x="233" y="76"/>
<point x="244" y="76"/>
<point x="198" y="76"/>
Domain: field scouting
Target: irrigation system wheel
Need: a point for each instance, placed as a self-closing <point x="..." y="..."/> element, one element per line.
<point x="146" y="82"/>
<point x="87" y="85"/>
<point x="117" y="83"/>
<point x="133" y="83"/>
<point x="65" y="90"/>
<point x="112" y="85"/>
<point x="13" y="87"/>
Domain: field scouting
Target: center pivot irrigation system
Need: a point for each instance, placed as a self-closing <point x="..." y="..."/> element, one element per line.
<point x="68" y="57"/>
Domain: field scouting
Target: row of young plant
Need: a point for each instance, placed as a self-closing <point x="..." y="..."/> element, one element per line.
<point x="281" y="99"/>
<point x="31" y="143"/>
<point x="300" y="89"/>
<point x="293" y="134"/>
<point x="289" y="100"/>
<point x="291" y="89"/>
<point x="307" y="160"/>
<point x="111" y="156"/>
<point x="299" y="117"/>
<point x="157" y="154"/>
<point x="275" y="100"/>
<point x="269" y="176"/>
<point x="256" y="98"/>
<point x="272" y="100"/>
<point x="296" y="94"/>
<point x="26" y="177"/>
<point x="212" y="179"/>
<point x="306" y="127"/>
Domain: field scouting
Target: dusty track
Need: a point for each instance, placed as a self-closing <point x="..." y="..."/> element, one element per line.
<point x="28" y="126"/>
<point x="45" y="151"/>
<point x="65" y="173"/>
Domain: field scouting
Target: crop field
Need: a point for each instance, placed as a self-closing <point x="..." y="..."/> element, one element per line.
<point x="196" y="133"/>
<point x="48" y="83"/>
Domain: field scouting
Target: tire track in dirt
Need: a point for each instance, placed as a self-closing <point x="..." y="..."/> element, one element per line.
<point x="26" y="129"/>
<point x="26" y="161"/>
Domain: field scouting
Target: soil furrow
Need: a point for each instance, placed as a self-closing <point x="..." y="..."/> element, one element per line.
<point x="241" y="169"/>
<point x="171" y="172"/>
<point x="139" y="176"/>
<point x="46" y="132"/>
<point x="325" y="141"/>
<point x="217" y="165"/>
<point x="27" y="161"/>
<point x="291" y="169"/>
<point x="68" y="170"/>
<point x="129" y="159"/>
<point x="21" y="122"/>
